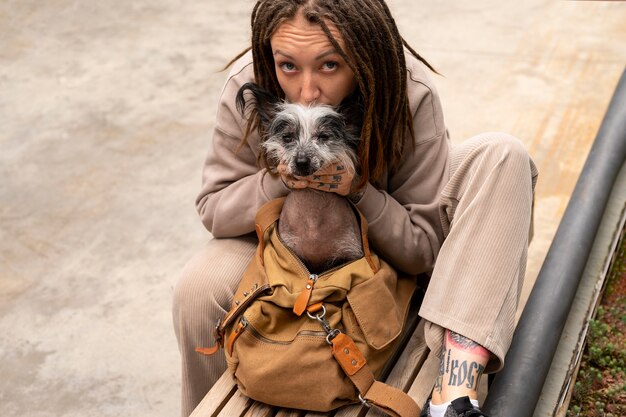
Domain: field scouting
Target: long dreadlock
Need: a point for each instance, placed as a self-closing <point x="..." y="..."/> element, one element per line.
<point x="376" y="57"/>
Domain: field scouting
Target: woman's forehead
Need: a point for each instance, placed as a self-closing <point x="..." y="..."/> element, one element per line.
<point x="297" y="33"/>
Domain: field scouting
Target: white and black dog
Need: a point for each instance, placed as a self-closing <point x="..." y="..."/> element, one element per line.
<point x="319" y="227"/>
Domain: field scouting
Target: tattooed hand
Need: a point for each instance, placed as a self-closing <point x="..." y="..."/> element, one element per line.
<point x="334" y="178"/>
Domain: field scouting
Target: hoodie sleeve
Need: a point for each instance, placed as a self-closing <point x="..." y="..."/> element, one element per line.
<point x="233" y="186"/>
<point x="403" y="213"/>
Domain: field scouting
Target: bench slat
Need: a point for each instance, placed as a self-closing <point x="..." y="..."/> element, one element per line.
<point x="285" y="412"/>
<point x="217" y="398"/>
<point x="259" y="410"/>
<point x="236" y="406"/>
<point x="411" y="360"/>
<point x="423" y="385"/>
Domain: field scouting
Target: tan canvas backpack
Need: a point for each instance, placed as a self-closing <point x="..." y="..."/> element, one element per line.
<point x="298" y="340"/>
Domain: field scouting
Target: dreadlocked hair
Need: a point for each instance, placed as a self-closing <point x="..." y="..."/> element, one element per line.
<point x="374" y="50"/>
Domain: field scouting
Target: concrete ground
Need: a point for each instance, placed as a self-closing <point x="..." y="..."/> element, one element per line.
<point x="106" y="111"/>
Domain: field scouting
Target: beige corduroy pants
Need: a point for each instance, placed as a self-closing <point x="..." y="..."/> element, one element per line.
<point x="486" y="215"/>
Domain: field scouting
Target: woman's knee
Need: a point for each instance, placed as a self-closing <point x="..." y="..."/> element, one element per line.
<point x="492" y="148"/>
<point x="504" y="145"/>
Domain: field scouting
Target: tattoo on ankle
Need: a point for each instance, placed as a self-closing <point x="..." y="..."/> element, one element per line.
<point x="439" y="379"/>
<point x="461" y="342"/>
<point x="465" y="373"/>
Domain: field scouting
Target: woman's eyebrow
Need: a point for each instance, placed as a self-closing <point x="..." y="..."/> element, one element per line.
<point x="279" y="52"/>
<point x="317" y="58"/>
<point x="325" y="54"/>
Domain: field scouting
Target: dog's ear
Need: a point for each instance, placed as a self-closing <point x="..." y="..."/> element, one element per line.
<point x="264" y="103"/>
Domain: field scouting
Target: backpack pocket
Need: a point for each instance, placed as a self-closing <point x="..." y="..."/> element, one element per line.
<point x="380" y="305"/>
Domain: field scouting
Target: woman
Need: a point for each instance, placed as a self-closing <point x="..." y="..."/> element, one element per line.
<point x="460" y="215"/>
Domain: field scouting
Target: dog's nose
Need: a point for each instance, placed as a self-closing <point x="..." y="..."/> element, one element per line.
<point x="303" y="165"/>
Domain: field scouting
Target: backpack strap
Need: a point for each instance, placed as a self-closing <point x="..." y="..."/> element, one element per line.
<point x="365" y="241"/>
<point x="268" y="214"/>
<point x="391" y="400"/>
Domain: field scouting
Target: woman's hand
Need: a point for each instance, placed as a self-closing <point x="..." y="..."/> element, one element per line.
<point x="334" y="178"/>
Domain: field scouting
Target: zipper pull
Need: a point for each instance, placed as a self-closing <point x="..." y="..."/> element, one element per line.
<point x="302" y="302"/>
<point x="243" y="323"/>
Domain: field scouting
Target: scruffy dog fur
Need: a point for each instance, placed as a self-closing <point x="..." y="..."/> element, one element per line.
<point x="320" y="227"/>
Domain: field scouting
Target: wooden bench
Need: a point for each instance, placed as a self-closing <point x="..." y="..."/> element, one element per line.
<point x="413" y="369"/>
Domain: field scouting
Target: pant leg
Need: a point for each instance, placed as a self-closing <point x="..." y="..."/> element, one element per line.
<point x="202" y="296"/>
<point x="486" y="214"/>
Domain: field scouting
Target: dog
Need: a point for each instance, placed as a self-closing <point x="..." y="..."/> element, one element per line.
<point x="319" y="227"/>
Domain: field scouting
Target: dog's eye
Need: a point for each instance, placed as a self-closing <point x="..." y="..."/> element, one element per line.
<point x="287" y="137"/>
<point x="323" y="137"/>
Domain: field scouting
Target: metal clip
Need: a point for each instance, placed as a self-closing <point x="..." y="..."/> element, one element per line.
<point x="330" y="332"/>
<point x="331" y="335"/>
<point x="218" y="334"/>
<point x="364" y="401"/>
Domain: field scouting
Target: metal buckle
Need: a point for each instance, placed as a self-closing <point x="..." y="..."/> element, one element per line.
<point x="364" y="401"/>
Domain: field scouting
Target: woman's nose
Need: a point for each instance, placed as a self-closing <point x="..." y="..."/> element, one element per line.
<point x="309" y="91"/>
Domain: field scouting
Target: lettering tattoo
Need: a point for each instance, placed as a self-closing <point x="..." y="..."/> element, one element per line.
<point x="466" y="373"/>
<point x="462" y="363"/>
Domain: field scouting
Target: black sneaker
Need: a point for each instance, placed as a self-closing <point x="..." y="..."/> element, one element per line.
<point x="461" y="407"/>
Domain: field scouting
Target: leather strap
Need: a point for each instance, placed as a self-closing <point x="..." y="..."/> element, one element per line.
<point x="208" y="351"/>
<point x="234" y="336"/>
<point x="302" y="302"/>
<point x="391" y="400"/>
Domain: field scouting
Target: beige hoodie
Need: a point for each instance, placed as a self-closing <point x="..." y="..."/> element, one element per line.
<point x="402" y="208"/>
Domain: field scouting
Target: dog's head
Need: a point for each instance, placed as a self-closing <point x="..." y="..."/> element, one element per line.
<point x="303" y="138"/>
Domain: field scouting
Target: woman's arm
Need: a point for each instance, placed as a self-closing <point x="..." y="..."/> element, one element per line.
<point x="233" y="186"/>
<point x="403" y="212"/>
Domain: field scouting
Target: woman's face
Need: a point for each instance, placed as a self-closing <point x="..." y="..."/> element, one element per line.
<point x="309" y="69"/>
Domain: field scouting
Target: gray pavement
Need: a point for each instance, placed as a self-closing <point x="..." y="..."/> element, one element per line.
<point x="106" y="111"/>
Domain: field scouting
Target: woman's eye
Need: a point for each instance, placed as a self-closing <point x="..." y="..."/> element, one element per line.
<point x="330" y="65"/>
<point x="287" y="66"/>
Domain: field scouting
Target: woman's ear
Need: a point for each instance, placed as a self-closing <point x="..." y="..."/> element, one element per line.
<point x="264" y="103"/>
